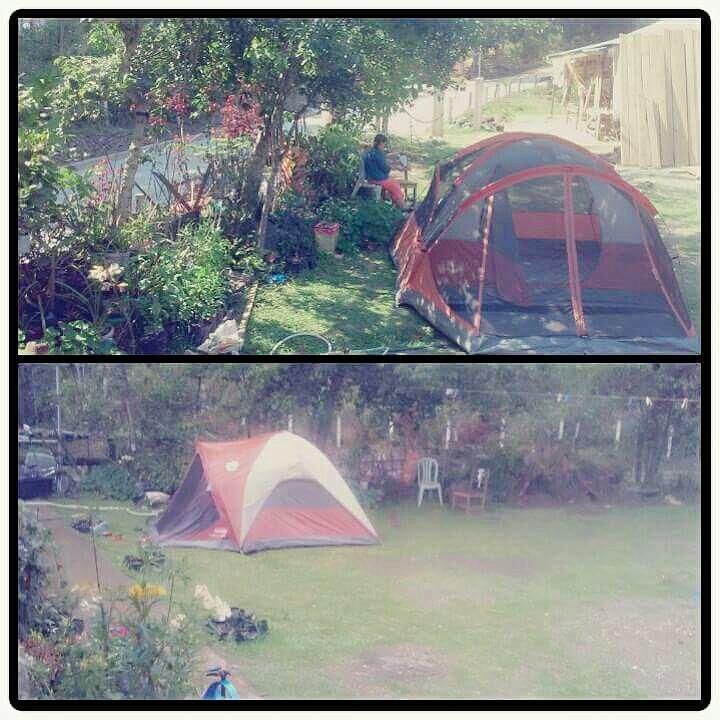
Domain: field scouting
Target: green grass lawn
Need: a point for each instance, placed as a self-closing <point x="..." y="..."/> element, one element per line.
<point x="351" y="300"/>
<point x="348" y="300"/>
<point x="515" y="603"/>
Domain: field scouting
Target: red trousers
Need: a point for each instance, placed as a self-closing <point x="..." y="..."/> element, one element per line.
<point x="393" y="188"/>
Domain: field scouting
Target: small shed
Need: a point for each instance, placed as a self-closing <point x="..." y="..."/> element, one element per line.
<point x="587" y="75"/>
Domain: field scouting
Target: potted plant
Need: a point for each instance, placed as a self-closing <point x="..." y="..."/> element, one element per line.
<point x="326" y="235"/>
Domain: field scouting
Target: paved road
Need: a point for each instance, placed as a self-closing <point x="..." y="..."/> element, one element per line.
<point x="162" y="157"/>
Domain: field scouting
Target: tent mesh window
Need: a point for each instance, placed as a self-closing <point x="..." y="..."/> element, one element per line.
<point x="494" y="163"/>
<point x="448" y="175"/>
<point x="622" y="295"/>
<point x="665" y="270"/>
<point x="526" y="288"/>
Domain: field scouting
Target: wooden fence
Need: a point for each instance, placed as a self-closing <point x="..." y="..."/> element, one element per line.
<point x="429" y="113"/>
<point x="658" y="77"/>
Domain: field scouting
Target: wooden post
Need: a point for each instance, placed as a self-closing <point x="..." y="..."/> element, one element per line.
<point x="566" y="99"/>
<point x="477" y="110"/>
<point x="581" y="104"/>
<point x="438" y="113"/>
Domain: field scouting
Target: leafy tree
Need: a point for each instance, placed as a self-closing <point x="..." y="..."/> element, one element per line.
<point x="41" y="135"/>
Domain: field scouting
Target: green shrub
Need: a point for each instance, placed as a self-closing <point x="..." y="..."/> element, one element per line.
<point x="507" y="467"/>
<point x="78" y="338"/>
<point x="86" y="81"/>
<point x="332" y="166"/>
<point x="112" y="481"/>
<point x="40" y="178"/>
<point x="139" y="232"/>
<point x="41" y="607"/>
<point x="155" y="472"/>
<point x="362" y="222"/>
<point x="368" y="497"/>
<point x="291" y="237"/>
<point x="185" y="280"/>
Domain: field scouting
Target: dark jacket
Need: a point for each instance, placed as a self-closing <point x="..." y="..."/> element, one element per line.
<point x="376" y="166"/>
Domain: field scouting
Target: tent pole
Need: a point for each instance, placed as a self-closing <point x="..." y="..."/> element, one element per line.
<point x="573" y="271"/>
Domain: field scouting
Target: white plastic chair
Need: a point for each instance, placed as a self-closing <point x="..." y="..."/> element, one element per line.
<point x="362" y="182"/>
<point x="427" y="478"/>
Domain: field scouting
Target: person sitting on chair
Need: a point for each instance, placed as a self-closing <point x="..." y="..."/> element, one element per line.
<point x="377" y="171"/>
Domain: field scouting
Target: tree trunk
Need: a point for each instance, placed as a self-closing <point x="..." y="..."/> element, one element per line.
<point x="105" y="382"/>
<point x="124" y="207"/>
<point x="277" y="156"/>
<point x="26" y="405"/>
<point x="271" y="140"/>
<point x="128" y="409"/>
<point x="640" y="451"/>
<point x="131" y="31"/>
<point x="254" y="171"/>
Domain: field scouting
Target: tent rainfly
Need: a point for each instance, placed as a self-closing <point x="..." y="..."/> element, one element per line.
<point x="527" y="243"/>
<point x="275" y="490"/>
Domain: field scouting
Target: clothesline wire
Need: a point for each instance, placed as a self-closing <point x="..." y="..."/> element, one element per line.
<point x="561" y="397"/>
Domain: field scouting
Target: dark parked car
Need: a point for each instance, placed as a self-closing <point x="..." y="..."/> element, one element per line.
<point x="41" y="475"/>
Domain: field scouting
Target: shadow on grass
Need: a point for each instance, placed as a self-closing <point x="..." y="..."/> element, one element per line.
<point x="349" y="300"/>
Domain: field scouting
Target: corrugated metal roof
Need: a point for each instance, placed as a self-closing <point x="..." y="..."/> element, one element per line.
<point x="659" y="26"/>
<point x="594" y="47"/>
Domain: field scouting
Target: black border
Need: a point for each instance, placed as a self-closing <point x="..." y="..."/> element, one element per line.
<point x="702" y="359"/>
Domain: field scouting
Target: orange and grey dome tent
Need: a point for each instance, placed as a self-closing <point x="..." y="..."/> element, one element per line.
<point x="271" y="491"/>
<point x="527" y="243"/>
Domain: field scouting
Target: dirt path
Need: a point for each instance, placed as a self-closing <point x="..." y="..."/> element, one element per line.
<point x="75" y="557"/>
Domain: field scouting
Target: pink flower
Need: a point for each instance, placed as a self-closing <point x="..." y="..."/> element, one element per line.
<point x="240" y="115"/>
<point x="178" y="103"/>
<point x="119" y="631"/>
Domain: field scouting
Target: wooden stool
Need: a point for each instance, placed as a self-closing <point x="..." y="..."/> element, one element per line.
<point x="463" y="498"/>
<point x="409" y="185"/>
